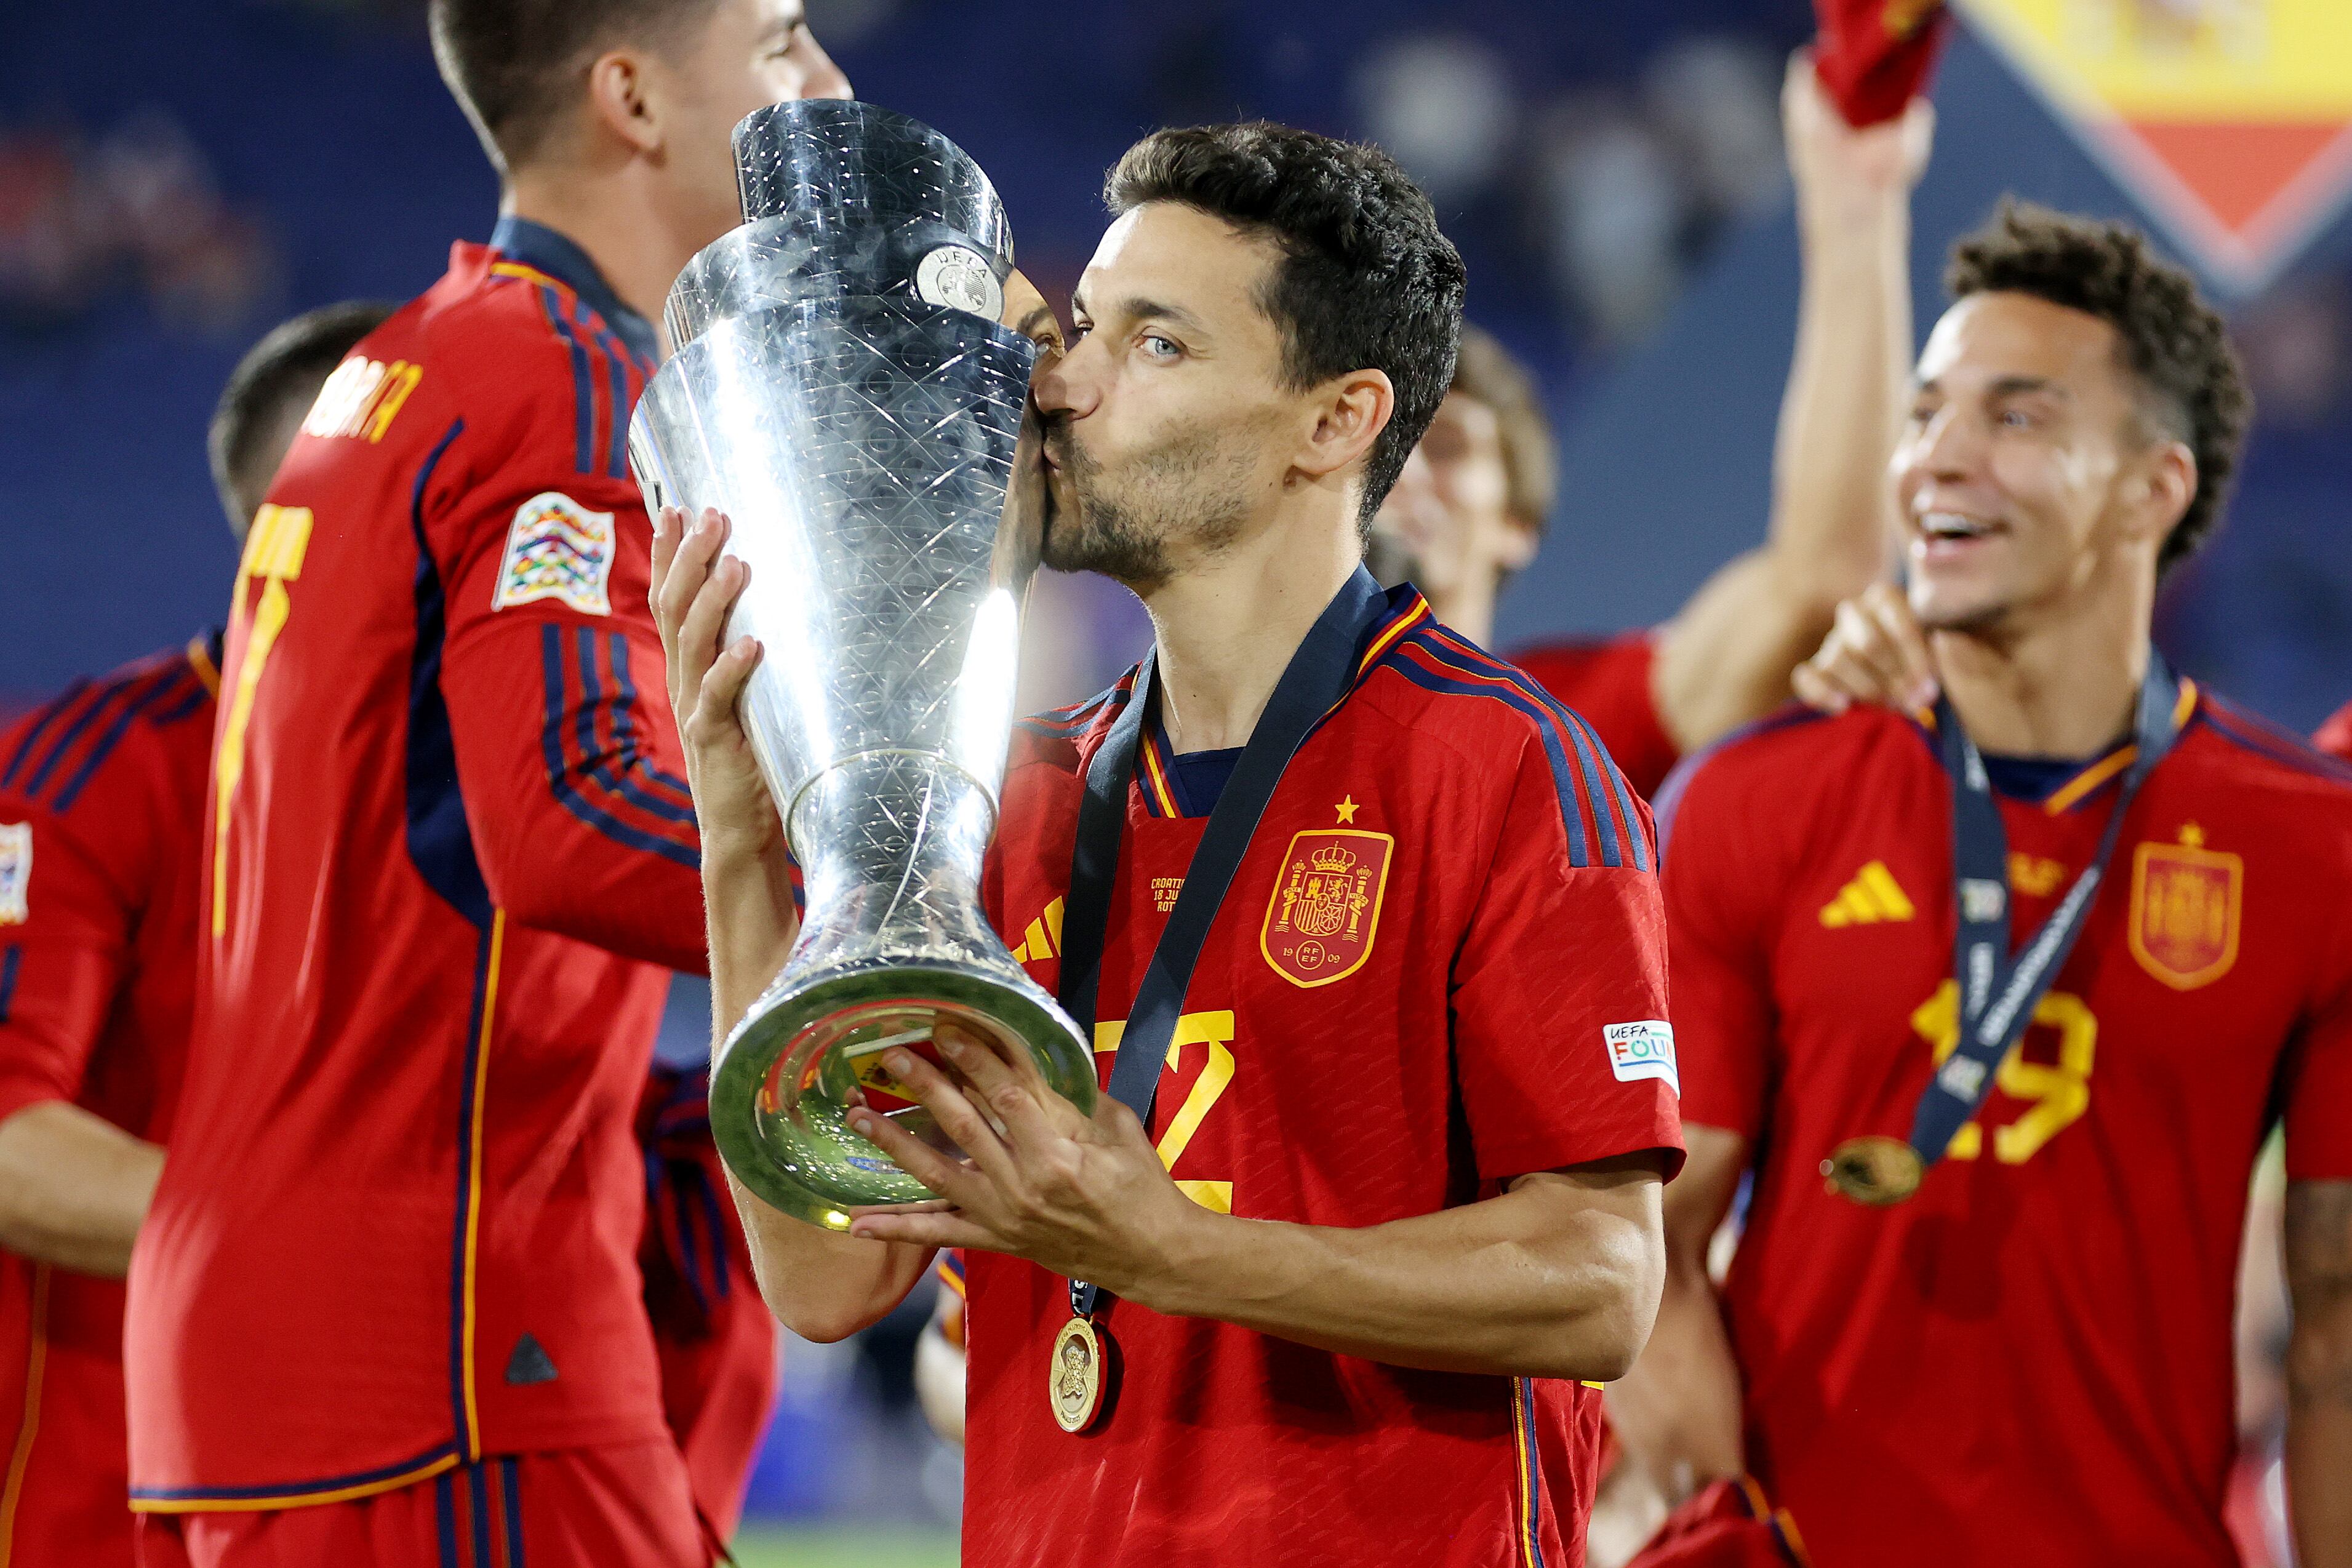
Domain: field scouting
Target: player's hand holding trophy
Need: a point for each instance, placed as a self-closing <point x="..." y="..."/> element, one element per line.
<point x="843" y="389"/>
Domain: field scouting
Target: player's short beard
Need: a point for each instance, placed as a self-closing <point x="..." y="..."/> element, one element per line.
<point x="1189" y="490"/>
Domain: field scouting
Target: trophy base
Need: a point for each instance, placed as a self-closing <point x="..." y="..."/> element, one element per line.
<point x="784" y="1082"/>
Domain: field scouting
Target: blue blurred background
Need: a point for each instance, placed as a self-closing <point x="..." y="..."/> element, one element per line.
<point x="175" y="178"/>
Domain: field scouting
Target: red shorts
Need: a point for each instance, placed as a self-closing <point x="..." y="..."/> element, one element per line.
<point x="627" y="1507"/>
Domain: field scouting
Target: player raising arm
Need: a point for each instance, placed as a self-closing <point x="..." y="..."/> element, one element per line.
<point x="1456" y="1216"/>
<point x="1981" y="1311"/>
<point x="1469" y="509"/>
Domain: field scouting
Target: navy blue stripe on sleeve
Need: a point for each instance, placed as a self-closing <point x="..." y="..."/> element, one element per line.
<point x="10" y="957"/>
<point x="173" y="685"/>
<point x="584" y="385"/>
<point x="40" y="727"/>
<point x="559" y="772"/>
<point x="621" y="780"/>
<point x="625" y="726"/>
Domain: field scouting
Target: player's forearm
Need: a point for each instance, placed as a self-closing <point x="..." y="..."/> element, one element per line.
<point x="746" y="900"/>
<point x="2319" y="1371"/>
<point x="74" y="1188"/>
<point x="1678" y="1411"/>
<point x="939" y="1383"/>
<point x="1556" y="1277"/>
<point x="821" y="1285"/>
<point x="1830" y="530"/>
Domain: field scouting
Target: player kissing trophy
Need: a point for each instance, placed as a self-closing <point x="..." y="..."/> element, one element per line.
<point x="842" y="390"/>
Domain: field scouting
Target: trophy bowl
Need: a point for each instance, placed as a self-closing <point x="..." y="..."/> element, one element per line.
<point x="842" y="389"/>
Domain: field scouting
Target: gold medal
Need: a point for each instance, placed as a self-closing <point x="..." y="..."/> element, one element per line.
<point x="1077" y="1374"/>
<point x="1879" y="1172"/>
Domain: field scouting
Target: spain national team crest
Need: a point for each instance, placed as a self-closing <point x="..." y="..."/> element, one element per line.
<point x="2184" y="910"/>
<point x="1326" y="907"/>
<point x="558" y="549"/>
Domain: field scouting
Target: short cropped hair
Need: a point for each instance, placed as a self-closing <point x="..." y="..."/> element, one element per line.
<point x="513" y="64"/>
<point x="1366" y="281"/>
<point x="2174" y="345"/>
<point x="269" y="393"/>
<point x="1489" y="373"/>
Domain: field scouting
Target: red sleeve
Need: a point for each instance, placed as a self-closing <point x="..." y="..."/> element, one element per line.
<point x="570" y="765"/>
<point x="2317" y="1081"/>
<point x="71" y="889"/>
<point x="1716" y="927"/>
<point x="1609" y="684"/>
<point x="1563" y="1063"/>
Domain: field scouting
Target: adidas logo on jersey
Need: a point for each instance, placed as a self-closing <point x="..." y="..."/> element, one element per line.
<point x="1872" y="898"/>
<point x="1043" y="939"/>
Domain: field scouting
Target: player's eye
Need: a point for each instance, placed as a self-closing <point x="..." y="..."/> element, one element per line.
<point x="1159" y="348"/>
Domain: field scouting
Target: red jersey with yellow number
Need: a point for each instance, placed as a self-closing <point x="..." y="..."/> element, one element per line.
<point x="1440" y="966"/>
<point x="446" y="841"/>
<point x="101" y="795"/>
<point x="1607" y="683"/>
<point x="2030" y="1362"/>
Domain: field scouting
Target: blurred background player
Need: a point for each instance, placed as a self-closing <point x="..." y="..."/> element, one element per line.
<point x="388" y="1303"/>
<point x="101" y="803"/>
<point x="2030" y="1360"/>
<point x="1470" y="508"/>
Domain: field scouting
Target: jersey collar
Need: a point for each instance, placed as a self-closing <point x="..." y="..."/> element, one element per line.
<point x="2095" y="775"/>
<point x="542" y="249"/>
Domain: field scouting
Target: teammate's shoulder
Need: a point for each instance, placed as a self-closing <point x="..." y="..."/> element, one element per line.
<point x="66" y="751"/>
<point x="520" y="357"/>
<point x="2252" y="751"/>
<point x="1461" y="709"/>
<point x="1788" y="754"/>
<point x="1060" y="739"/>
<point x="1563" y="664"/>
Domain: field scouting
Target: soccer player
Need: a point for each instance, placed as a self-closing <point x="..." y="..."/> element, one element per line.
<point x="1398" y="1189"/>
<point x="101" y="796"/>
<point x="387" y="1305"/>
<point x="2028" y="1359"/>
<point x="1469" y="509"/>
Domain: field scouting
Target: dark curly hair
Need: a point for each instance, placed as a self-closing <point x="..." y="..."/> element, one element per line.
<point x="1366" y="280"/>
<point x="2174" y="344"/>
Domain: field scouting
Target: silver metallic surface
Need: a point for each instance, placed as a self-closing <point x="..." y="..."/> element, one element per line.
<point x="862" y="436"/>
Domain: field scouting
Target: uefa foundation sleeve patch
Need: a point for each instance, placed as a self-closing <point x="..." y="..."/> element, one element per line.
<point x="1645" y="1050"/>
<point x="557" y="549"/>
<point x="16" y="871"/>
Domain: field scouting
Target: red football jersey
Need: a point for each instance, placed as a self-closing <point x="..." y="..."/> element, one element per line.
<point x="2029" y="1363"/>
<point x="1607" y="683"/>
<point x="101" y="794"/>
<point x="446" y="842"/>
<point x="715" y="1338"/>
<point x="1440" y="966"/>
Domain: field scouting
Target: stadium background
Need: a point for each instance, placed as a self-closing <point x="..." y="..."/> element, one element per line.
<point x="173" y="179"/>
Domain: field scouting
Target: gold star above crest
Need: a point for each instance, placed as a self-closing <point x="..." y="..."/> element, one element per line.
<point x="2192" y="835"/>
<point x="1347" y="809"/>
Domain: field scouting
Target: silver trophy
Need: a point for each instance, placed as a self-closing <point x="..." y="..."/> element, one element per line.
<point x="842" y="390"/>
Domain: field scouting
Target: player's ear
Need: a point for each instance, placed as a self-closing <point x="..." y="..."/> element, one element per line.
<point x="1517" y="545"/>
<point x="2162" y="490"/>
<point x="619" y="100"/>
<point x="1350" y="413"/>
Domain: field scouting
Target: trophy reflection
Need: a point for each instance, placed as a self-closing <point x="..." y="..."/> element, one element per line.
<point x="844" y="390"/>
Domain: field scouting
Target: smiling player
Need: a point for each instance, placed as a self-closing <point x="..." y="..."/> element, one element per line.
<point x="2000" y="1007"/>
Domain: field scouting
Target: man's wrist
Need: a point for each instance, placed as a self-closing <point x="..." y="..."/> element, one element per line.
<point x="1186" y="1274"/>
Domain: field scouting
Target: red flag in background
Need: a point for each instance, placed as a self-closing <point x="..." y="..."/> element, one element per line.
<point x="1873" y="55"/>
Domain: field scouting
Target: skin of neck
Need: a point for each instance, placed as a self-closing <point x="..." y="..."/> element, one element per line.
<point x="2059" y="679"/>
<point x="1227" y="623"/>
<point x="611" y="208"/>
